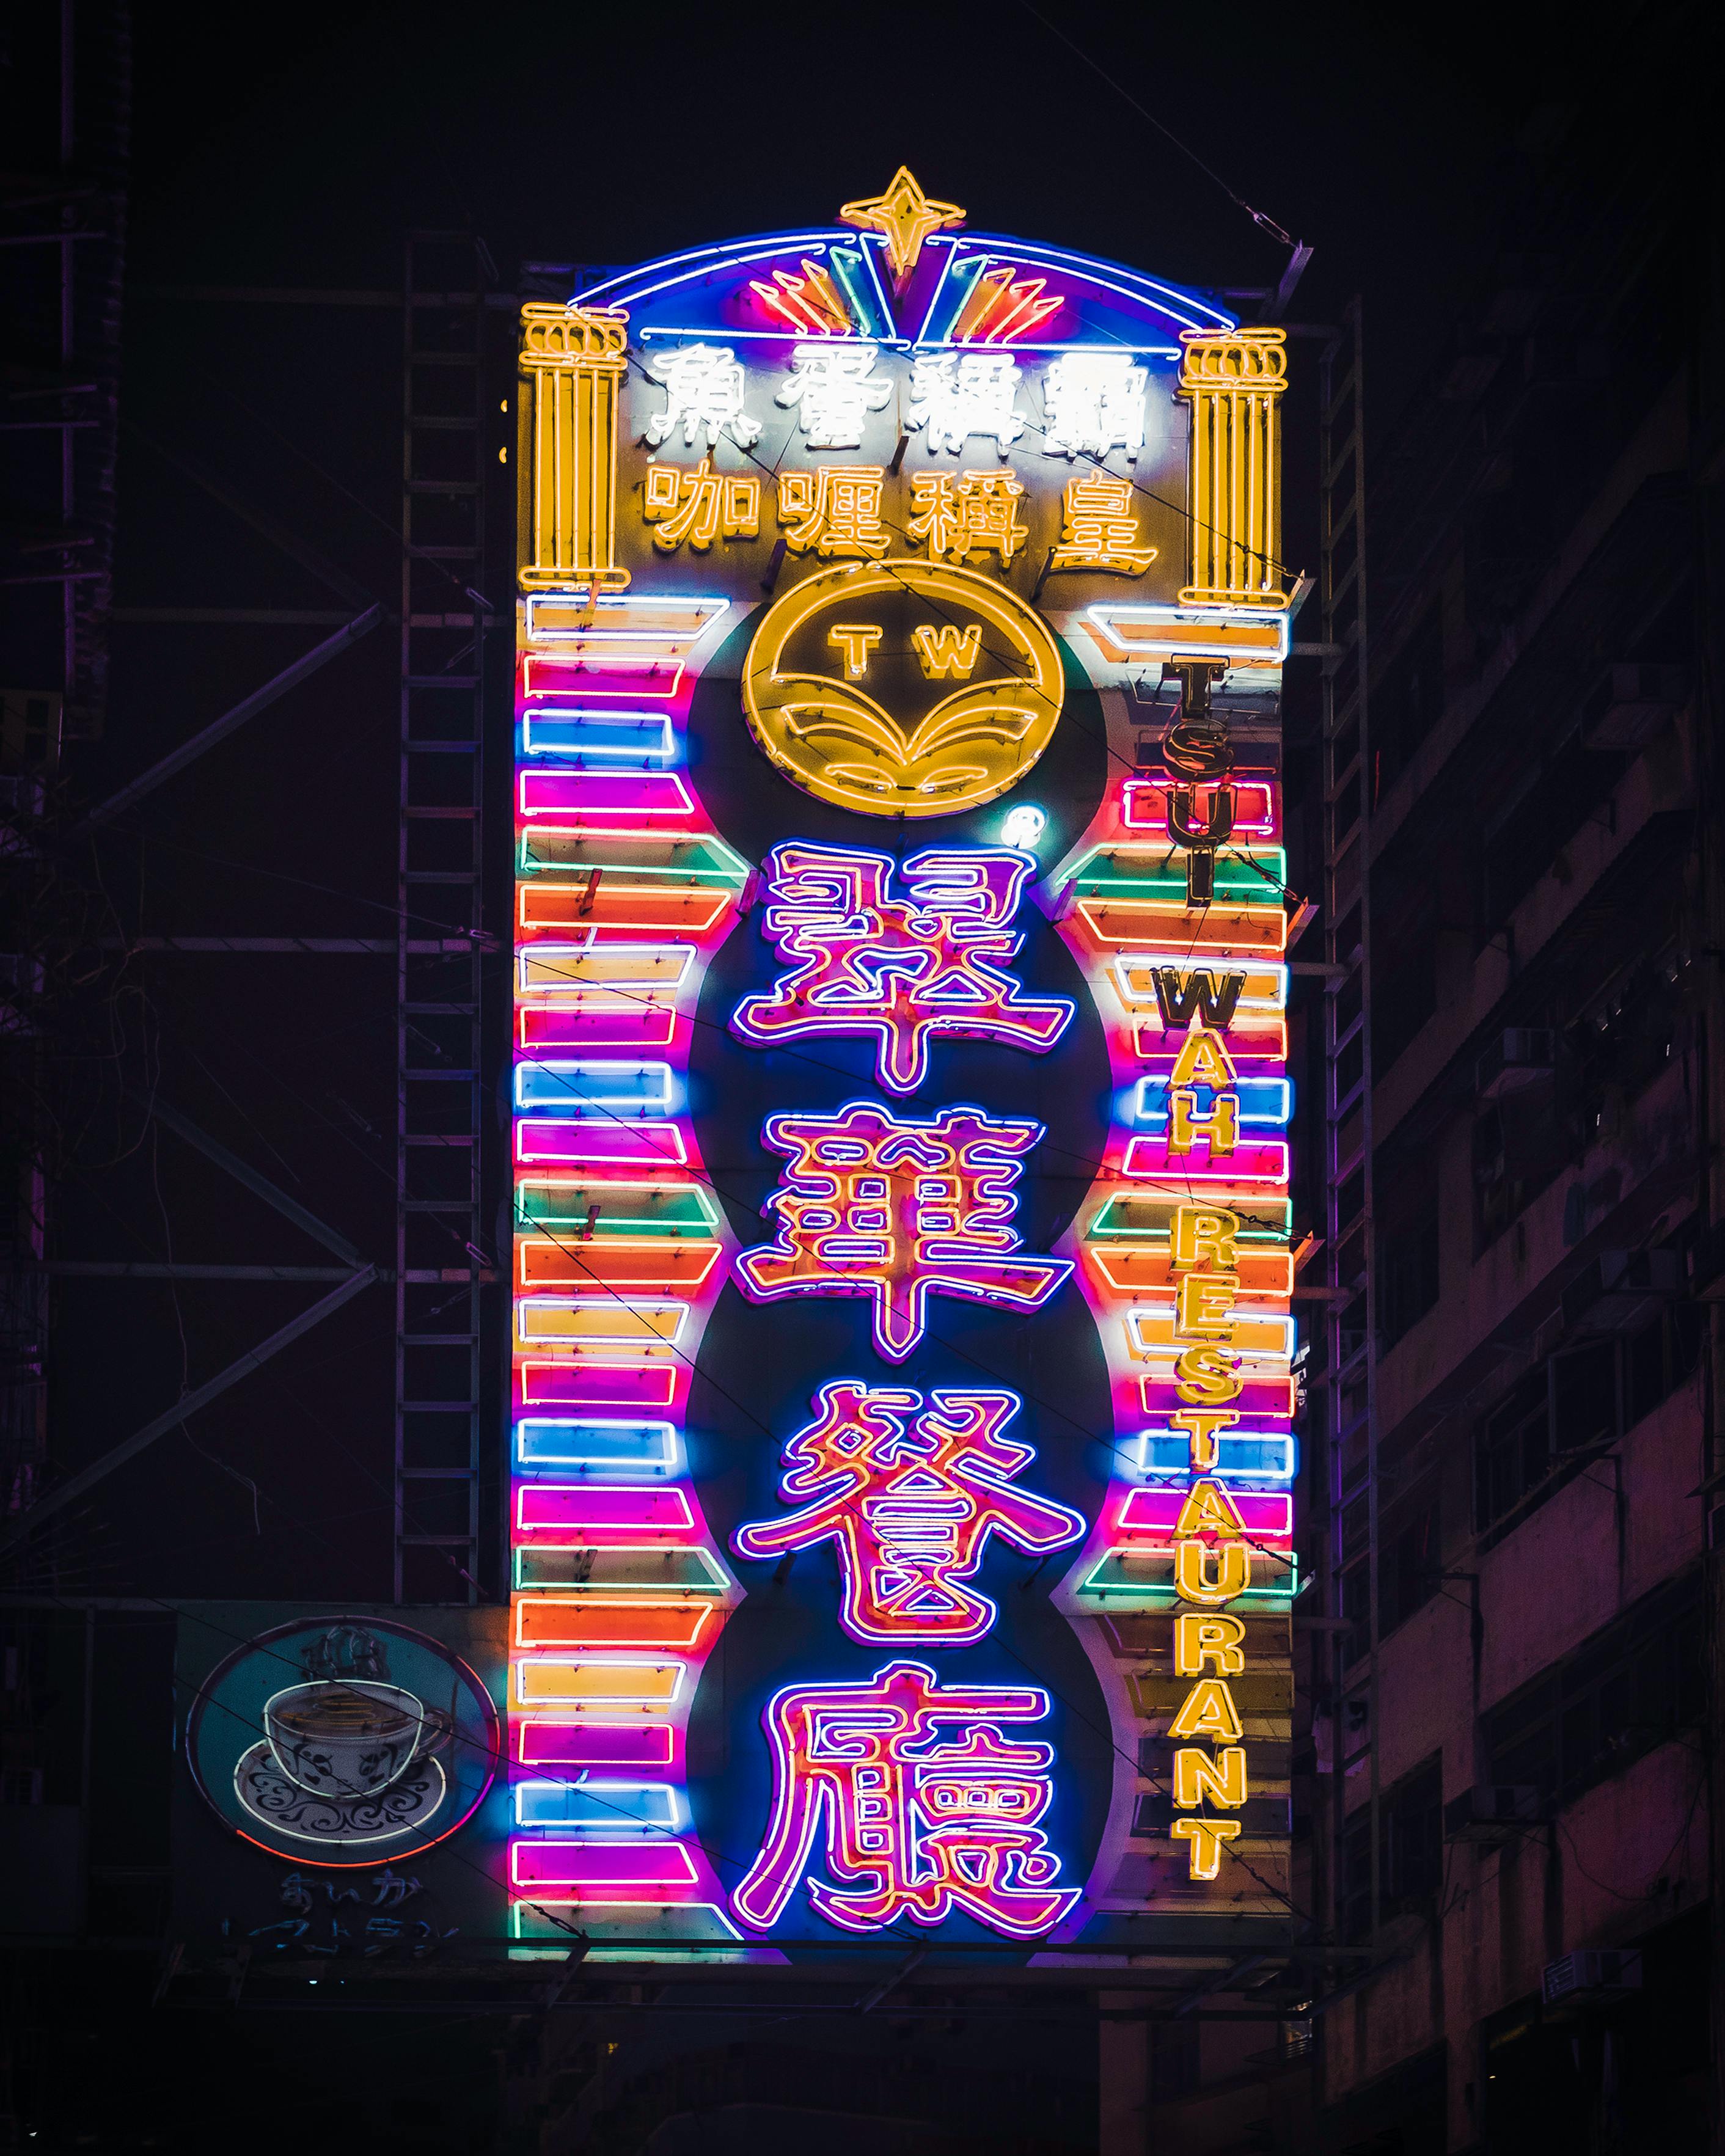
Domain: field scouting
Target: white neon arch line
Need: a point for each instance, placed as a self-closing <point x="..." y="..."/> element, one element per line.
<point x="625" y="289"/>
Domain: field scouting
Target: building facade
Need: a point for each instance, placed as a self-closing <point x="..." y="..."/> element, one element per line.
<point x="1506" y="1702"/>
<point x="1510" y="1765"/>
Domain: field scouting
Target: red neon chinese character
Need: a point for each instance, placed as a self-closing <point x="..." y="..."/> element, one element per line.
<point x="873" y="1206"/>
<point x="911" y="1494"/>
<point x="902" y="969"/>
<point x="927" y="1807"/>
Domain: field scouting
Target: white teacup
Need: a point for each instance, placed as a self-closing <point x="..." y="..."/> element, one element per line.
<point x="347" y="1736"/>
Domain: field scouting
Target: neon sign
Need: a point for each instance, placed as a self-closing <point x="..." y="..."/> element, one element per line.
<point x="931" y="470"/>
<point x="928" y="1806"/>
<point x="897" y="1210"/>
<point x="909" y="1492"/>
<point x="929" y="965"/>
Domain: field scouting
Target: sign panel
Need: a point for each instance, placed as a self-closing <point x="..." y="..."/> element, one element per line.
<point x="903" y="1388"/>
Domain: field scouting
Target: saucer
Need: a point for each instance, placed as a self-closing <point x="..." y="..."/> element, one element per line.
<point x="385" y="1815"/>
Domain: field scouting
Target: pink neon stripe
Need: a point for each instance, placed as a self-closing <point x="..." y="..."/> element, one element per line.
<point x="557" y="1028"/>
<point x="1144" y="807"/>
<point x="1247" y="1164"/>
<point x="546" y="674"/>
<point x="540" y="1507"/>
<point x="601" y="1865"/>
<point x="654" y="793"/>
<point x="597" y="1385"/>
<point x="587" y="1744"/>
<point x="1159" y="1051"/>
<point x="632" y="1145"/>
<point x="1267" y="1516"/>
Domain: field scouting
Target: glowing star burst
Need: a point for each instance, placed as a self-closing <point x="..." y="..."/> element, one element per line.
<point x="905" y="216"/>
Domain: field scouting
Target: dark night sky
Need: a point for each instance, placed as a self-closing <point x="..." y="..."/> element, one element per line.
<point x="299" y="142"/>
<point x="292" y="147"/>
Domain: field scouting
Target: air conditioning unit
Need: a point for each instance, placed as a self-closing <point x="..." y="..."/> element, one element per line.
<point x="1519" y="1055"/>
<point x="1620" y="1289"/>
<point x="1630" y="705"/>
<point x="1492" y="1811"/>
<point x="1600" y="1972"/>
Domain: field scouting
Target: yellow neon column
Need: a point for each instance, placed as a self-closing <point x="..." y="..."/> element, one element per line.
<point x="1233" y="381"/>
<point x="575" y="362"/>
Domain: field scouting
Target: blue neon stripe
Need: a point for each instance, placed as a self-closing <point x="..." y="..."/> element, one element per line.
<point x="1266" y="1102"/>
<point x="614" y="738"/>
<point x="1169" y="1452"/>
<point x="582" y="1089"/>
<point x="617" y="1807"/>
<point x="543" y="1441"/>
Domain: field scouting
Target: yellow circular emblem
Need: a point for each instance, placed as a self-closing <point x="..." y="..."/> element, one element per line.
<point x="904" y="688"/>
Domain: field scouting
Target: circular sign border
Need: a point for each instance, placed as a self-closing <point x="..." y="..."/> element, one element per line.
<point x="867" y="579"/>
<point x="494" y="1726"/>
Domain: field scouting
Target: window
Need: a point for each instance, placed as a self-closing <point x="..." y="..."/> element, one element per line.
<point x="1587" y="1394"/>
<point x="1621" y="1042"/>
<point x="1409" y="1559"/>
<point x="1407" y="1225"/>
<point x="1404" y="980"/>
<point x="1407" y="1565"/>
<point x="1520" y="1146"/>
<point x="1631" y="1687"/>
<point x="1408" y="702"/>
<point x="1407" y="1277"/>
<point x="1554" y="801"/>
<point x="1173" y="2059"/>
<point x="1410" y="1844"/>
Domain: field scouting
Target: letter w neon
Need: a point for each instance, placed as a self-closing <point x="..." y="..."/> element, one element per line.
<point x="948" y="650"/>
<point x="1179" y="993"/>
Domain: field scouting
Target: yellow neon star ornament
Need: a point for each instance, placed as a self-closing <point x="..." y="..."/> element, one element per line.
<point x="905" y="216"/>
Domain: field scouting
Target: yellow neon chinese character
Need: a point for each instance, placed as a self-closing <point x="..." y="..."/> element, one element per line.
<point x="699" y="504"/>
<point x="840" y="509"/>
<point x="974" y="512"/>
<point x="1101" y="528"/>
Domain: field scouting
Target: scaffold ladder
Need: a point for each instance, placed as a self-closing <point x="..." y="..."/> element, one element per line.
<point x="1349" y="1371"/>
<point x="440" y="1141"/>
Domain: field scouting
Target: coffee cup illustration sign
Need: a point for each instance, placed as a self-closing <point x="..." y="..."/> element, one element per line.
<point x="349" y="1739"/>
<point x="385" y="1744"/>
<point x="903" y="688"/>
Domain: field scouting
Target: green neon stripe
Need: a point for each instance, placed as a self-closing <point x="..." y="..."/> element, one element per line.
<point x="649" y="1570"/>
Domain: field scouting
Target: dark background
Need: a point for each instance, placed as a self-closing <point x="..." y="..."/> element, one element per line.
<point x="292" y="148"/>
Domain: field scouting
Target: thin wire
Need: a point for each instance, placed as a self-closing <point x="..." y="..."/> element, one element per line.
<point x="1264" y="224"/>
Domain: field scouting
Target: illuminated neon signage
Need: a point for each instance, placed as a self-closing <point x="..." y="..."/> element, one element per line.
<point x="875" y="507"/>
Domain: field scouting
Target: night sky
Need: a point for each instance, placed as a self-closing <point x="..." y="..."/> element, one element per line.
<point x="292" y="148"/>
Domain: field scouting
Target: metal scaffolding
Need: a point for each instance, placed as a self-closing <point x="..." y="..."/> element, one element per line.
<point x="440" y="1257"/>
<point x="1349" y="1375"/>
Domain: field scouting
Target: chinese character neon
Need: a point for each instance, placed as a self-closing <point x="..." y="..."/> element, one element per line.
<point x="894" y="1211"/>
<point x="956" y="396"/>
<point x="928" y="1808"/>
<point x="835" y="389"/>
<point x="1100" y="527"/>
<point x="703" y="395"/>
<point x="699" y="504"/>
<point x="1093" y="402"/>
<point x="911" y="1494"/>
<point x="838" y="507"/>
<point x="906" y="970"/>
<point x="962" y="513"/>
